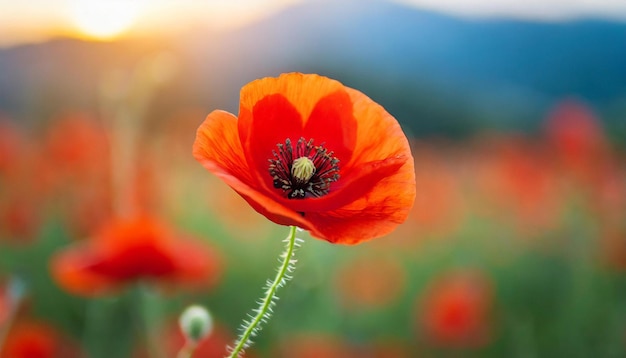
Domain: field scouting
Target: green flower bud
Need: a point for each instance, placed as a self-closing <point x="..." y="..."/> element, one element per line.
<point x="196" y="323"/>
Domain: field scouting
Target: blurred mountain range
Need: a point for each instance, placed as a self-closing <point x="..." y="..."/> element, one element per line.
<point x="437" y="74"/>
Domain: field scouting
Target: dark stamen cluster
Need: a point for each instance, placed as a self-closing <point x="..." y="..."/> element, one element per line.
<point x="326" y="169"/>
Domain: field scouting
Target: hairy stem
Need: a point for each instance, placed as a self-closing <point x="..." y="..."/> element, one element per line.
<point x="262" y="314"/>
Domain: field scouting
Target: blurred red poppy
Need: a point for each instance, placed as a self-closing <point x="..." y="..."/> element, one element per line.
<point x="310" y="152"/>
<point x="20" y="199"/>
<point x="588" y="164"/>
<point x="577" y="139"/>
<point x="518" y="183"/>
<point x="455" y="310"/>
<point x="370" y="281"/>
<point x="77" y="143"/>
<point x="33" y="339"/>
<point x="129" y="250"/>
<point x="19" y="218"/>
<point x="11" y="147"/>
<point x="73" y="171"/>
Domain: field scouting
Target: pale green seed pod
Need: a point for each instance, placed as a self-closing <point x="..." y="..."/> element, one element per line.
<point x="196" y="323"/>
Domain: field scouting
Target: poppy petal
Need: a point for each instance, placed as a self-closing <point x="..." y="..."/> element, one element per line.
<point x="273" y="210"/>
<point x="346" y="190"/>
<point x="379" y="135"/>
<point x="260" y="135"/>
<point x="380" y="147"/>
<point x="333" y="125"/>
<point x="331" y="122"/>
<point x="217" y="148"/>
<point x="68" y="268"/>
<point x="275" y="109"/>
<point x="372" y="215"/>
<point x="303" y="91"/>
<point x="380" y="206"/>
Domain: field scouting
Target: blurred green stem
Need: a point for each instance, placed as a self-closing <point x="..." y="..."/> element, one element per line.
<point x="146" y="306"/>
<point x="91" y="330"/>
<point x="15" y="291"/>
<point x="262" y="314"/>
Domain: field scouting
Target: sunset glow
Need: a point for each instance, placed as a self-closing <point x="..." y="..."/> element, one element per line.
<point x="104" y="20"/>
<point x="40" y="20"/>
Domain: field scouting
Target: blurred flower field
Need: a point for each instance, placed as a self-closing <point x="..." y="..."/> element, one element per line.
<point x="515" y="247"/>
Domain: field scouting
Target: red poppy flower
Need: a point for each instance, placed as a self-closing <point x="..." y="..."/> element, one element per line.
<point x="128" y="250"/>
<point x="76" y="143"/>
<point x="519" y="184"/>
<point x="310" y="152"/>
<point x="19" y="194"/>
<point x="33" y="339"/>
<point x="576" y="136"/>
<point x="455" y="310"/>
<point x="19" y="219"/>
<point x="11" y="147"/>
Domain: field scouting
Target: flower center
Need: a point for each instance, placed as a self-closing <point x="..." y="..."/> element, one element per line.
<point x="304" y="169"/>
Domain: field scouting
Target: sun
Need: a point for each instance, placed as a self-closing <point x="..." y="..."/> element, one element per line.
<point x="103" y="19"/>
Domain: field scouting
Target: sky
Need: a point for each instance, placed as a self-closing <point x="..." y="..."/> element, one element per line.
<point x="36" y="20"/>
<point x="542" y="10"/>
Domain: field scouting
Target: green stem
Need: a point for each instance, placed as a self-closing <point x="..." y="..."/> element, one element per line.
<point x="147" y="307"/>
<point x="16" y="294"/>
<point x="95" y="311"/>
<point x="263" y="313"/>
